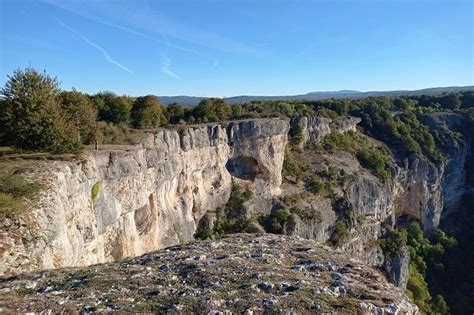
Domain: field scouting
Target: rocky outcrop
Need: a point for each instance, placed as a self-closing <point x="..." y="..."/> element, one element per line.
<point x="397" y="267"/>
<point x="241" y="274"/>
<point x="419" y="190"/>
<point x="147" y="196"/>
<point x="315" y="128"/>
<point x="426" y="191"/>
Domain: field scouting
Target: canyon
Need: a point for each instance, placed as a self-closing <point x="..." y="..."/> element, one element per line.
<point x="154" y="194"/>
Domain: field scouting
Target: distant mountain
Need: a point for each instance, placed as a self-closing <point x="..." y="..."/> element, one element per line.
<point x="181" y="99"/>
<point x="194" y="100"/>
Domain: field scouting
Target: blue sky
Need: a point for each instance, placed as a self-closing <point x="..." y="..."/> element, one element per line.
<point x="226" y="48"/>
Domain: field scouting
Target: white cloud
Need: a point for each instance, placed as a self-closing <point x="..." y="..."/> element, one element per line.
<point x="96" y="46"/>
<point x="166" y="66"/>
<point x="139" y="16"/>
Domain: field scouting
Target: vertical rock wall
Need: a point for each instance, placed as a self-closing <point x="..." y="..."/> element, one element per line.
<point x="149" y="196"/>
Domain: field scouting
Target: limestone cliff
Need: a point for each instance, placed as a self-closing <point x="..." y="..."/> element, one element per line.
<point x="147" y="196"/>
<point x="123" y="201"/>
<point x="419" y="190"/>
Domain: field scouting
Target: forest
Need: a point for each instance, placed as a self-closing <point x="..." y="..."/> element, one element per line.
<point x="37" y="115"/>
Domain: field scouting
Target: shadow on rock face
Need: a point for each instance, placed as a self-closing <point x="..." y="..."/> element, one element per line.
<point x="243" y="167"/>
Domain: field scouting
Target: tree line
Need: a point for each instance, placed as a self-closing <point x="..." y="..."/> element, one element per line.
<point x="36" y="115"/>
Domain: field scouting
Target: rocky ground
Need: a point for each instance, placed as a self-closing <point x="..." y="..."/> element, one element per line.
<point x="243" y="273"/>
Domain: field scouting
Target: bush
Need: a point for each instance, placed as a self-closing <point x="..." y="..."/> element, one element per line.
<point x="393" y="241"/>
<point x="231" y="219"/>
<point x="108" y="133"/>
<point x="95" y="190"/>
<point x="296" y="134"/>
<point x="275" y="221"/>
<point x="315" y="185"/>
<point x="340" y="233"/>
<point x="375" y="158"/>
<point x="417" y="290"/>
<point x="292" y="167"/>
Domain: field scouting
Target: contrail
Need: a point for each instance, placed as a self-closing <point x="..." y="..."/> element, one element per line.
<point x="104" y="52"/>
<point x="166" y="67"/>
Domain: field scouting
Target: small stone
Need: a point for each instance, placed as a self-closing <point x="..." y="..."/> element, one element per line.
<point x="336" y="276"/>
<point x="269" y="303"/>
<point x="288" y="287"/>
<point x="165" y="267"/>
<point x="256" y="276"/>
<point x="265" y="286"/>
<point x="31" y="284"/>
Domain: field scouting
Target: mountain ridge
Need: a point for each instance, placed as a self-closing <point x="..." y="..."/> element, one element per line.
<point x="316" y="95"/>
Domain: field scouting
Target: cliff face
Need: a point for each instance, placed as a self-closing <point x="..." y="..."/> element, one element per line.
<point x="419" y="190"/>
<point x="428" y="192"/>
<point x="149" y="196"/>
<point x="315" y="128"/>
<point x="129" y="200"/>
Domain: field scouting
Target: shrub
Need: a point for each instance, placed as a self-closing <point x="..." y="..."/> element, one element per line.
<point x="315" y="185"/>
<point x="95" y="190"/>
<point x="231" y="219"/>
<point x="376" y="160"/>
<point x="275" y="221"/>
<point x="417" y="289"/>
<point x="108" y="133"/>
<point x="296" y="134"/>
<point x="393" y="241"/>
<point x="292" y="167"/>
<point x="340" y="233"/>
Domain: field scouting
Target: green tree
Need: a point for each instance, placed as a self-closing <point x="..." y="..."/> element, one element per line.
<point x="212" y="109"/>
<point x="113" y="108"/>
<point x="148" y="113"/>
<point x="175" y="113"/>
<point x="32" y="116"/>
<point x="81" y="112"/>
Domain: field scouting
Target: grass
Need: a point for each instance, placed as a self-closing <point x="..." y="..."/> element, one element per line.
<point x="15" y="195"/>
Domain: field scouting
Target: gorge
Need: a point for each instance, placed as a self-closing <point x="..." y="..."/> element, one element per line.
<point x="305" y="177"/>
<point x="153" y="194"/>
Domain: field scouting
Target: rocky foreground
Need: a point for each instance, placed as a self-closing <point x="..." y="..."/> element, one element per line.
<point x="243" y="273"/>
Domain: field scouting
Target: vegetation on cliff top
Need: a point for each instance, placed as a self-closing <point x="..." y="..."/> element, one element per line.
<point x="37" y="115"/>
